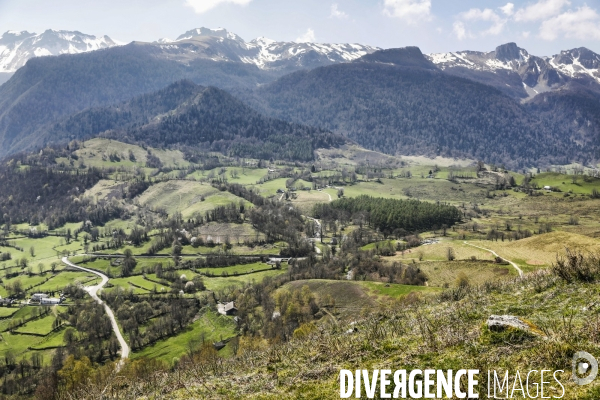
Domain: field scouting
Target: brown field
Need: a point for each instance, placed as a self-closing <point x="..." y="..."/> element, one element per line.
<point x="442" y="273"/>
<point x="541" y="250"/>
<point x="349" y="297"/>
<point x="439" y="251"/>
<point x="307" y="199"/>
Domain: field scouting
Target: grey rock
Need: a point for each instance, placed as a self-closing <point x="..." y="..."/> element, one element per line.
<point x="501" y="322"/>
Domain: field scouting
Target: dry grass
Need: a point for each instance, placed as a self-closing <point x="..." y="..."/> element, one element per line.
<point x="96" y="148"/>
<point x="442" y="273"/>
<point x="349" y="296"/>
<point x="438" y="252"/>
<point x="219" y="231"/>
<point x="186" y="197"/>
<point x="439" y="161"/>
<point x="353" y="155"/>
<point x="306" y="200"/>
<point x="541" y="250"/>
<point x="105" y="190"/>
<point x="444" y="334"/>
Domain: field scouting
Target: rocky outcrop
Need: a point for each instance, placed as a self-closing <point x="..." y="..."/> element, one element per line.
<point x="499" y="323"/>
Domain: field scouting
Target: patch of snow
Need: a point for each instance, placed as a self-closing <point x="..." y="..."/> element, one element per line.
<point x="575" y="69"/>
<point x="444" y="60"/>
<point x="497" y="64"/>
<point x="42" y="52"/>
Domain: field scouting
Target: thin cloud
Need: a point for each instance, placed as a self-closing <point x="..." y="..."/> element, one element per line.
<point x="460" y="30"/>
<point x="202" y="6"/>
<point x="409" y="10"/>
<point x="337" y="13"/>
<point x="308" y="36"/>
<point x="508" y="9"/>
<point x="475" y="15"/>
<point x="543" y="9"/>
<point x="583" y="23"/>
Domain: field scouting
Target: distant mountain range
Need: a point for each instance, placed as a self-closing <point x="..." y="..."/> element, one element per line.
<point x="16" y="48"/>
<point x="267" y="54"/>
<point x="520" y="74"/>
<point x="397" y="101"/>
<point x="509" y="63"/>
<point x="506" y="106"/>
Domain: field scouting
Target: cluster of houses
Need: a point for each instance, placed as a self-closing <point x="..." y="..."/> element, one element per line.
<point x="46" y="300"/>
<point x="41" y="298"/>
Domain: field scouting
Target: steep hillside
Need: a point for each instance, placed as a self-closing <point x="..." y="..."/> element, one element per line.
<point x="463" y="104"/>
<point x="389" y="102"/>
<point x="439" y="332"/>
<point x="575" y="111"/>
<point x="49" y="88"/>
<point x="185" y="114"/>
<point x="124" y="115"/>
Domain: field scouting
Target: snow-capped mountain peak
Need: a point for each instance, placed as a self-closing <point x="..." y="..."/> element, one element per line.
<point x="507" y="56"/>
<point x="512" y="64"/>
<point x="579" y="62"/>
<point x="16" y="48"/>
<point x="263" y="52"/>
<point x="510" y="52"/>
<point x="207" y="32"/>
<point x="263" y="41"/>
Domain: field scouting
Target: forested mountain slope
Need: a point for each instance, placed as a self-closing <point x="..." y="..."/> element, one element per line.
<point x="197" y="117"/>
<point x="395" y="101"/>
<point x="391" y="102"/>
<point x="574" y="110"/>
<point x="49" y="88"/>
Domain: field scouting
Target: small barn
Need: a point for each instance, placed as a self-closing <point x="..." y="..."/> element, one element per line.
<point x="38" y="297"/>
<point x="227" y="308"/>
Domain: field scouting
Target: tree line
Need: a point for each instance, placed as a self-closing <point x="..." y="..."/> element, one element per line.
<point x="390" y="215"/>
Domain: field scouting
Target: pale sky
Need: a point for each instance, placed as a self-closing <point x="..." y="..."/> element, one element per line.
<point x="543" y="27"/>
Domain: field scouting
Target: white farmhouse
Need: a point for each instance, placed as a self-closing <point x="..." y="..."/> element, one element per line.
<point x="48" y="301"/>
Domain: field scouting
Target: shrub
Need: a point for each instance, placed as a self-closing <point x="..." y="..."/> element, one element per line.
<point x="576" y="267"/>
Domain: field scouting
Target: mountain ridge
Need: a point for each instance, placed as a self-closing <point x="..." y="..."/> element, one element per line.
<point x="16" y="48"/>
<point x="420" y="111"/>
<point x="537" y="74"/>
<point x="198" y="118"/>
<point x="265" y="53"/>
<point x="421" y="119"/>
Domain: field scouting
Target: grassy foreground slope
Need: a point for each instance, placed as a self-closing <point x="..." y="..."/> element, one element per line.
<point x="423" y="334"/>
<point x="443" y="331"/>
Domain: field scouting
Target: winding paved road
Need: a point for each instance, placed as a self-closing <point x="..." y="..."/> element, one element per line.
<point x="93" y="291"/>
<point x="496" y="254"/>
